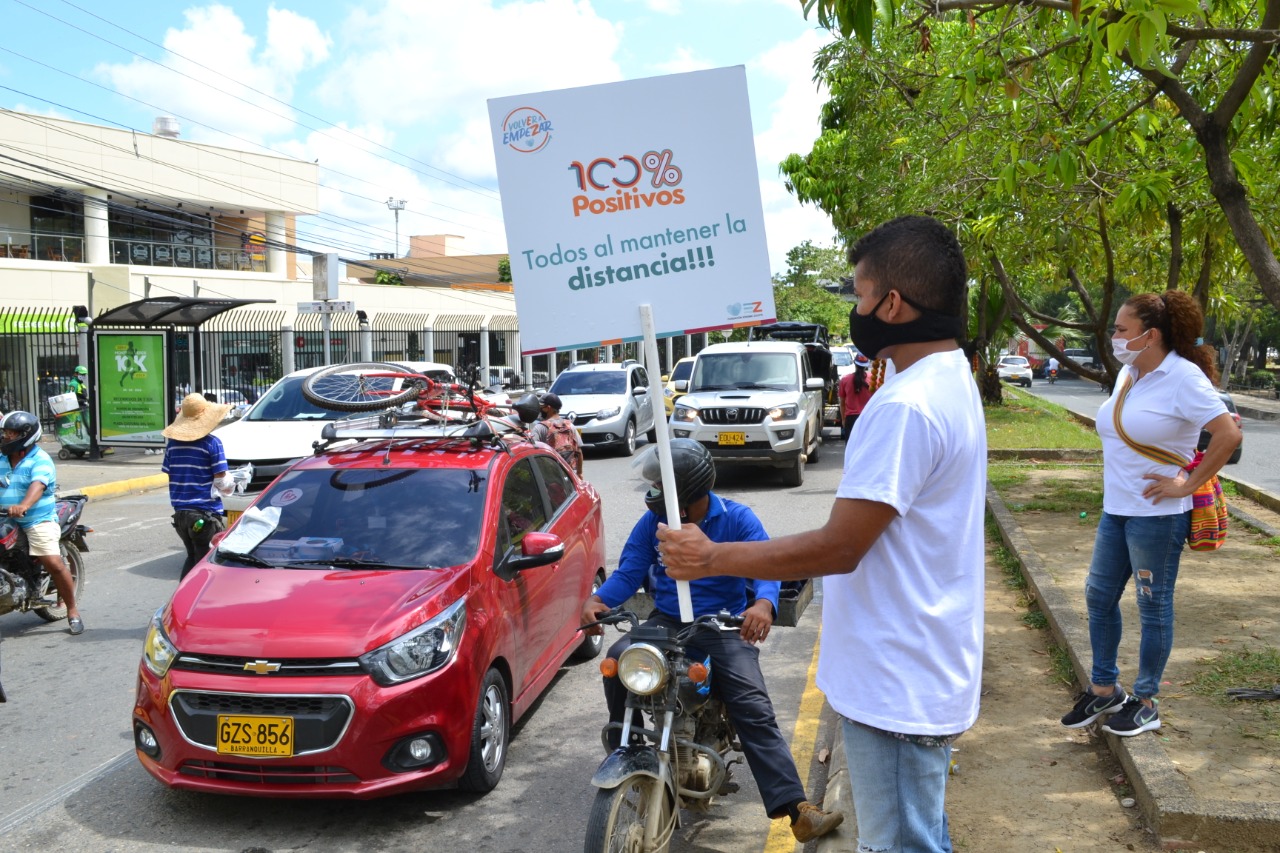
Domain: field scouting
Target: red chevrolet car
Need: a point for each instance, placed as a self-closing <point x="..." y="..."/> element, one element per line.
<point x="374" y="624"/>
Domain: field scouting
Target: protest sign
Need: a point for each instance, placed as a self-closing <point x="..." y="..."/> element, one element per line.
<point x="643" y="191"/>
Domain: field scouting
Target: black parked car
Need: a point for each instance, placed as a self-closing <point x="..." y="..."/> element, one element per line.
<point x="1235" y="416"/>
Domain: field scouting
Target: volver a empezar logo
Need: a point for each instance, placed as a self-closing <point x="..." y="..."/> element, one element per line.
<point x="526" y="130"/>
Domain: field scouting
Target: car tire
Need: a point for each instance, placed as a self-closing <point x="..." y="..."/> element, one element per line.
<point x="1235" y="455"/>
<point x="490" y="736"/>
<point x="1026" y="384"/>
<point x="817" y="448"/>
<point x="591" y="645"/>
<point x="652" y="435"/>
<point x="794" y="476"/>
<point x="628" y="445"/>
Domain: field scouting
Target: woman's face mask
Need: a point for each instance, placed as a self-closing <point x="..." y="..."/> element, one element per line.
<point x="1124" y="355"/>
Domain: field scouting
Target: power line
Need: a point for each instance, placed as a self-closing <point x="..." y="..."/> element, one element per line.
<point x="358" y="226"/>
<point x="198" y="124"/>
<point x="480" y="187"/>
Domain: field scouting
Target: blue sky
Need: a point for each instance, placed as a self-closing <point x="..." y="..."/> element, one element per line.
<point x="389" y="96"/>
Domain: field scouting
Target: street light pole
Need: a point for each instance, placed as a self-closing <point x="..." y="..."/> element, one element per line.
<point x="396" y="205"/>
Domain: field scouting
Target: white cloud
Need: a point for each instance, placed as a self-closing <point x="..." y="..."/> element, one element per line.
<point x="794" y="115"/>
<point x="664" y="7"/>
<point x="410" y="63"/>
<point x="683" y="60"/>
<point x="238" y="99"/>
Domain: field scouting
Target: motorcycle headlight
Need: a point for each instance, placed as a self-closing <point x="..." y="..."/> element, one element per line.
<point x="158" y="653"/>
<point x="684" y="414"/>
<point x="424" y="649"/>
<point x="605" y="414"/>
<point x="783" y="413"/>
<point x="643" y="669"/>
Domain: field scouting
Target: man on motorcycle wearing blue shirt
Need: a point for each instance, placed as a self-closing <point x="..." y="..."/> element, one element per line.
<point x="735" y="661"/>
<point x="29" y="480"/>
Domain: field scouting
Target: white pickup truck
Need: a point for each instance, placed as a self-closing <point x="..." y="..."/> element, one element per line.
<point x="754" y="403"/>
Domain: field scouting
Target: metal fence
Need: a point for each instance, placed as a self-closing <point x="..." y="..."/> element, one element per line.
<point x="39" y="352"/>
<point x="243" y="350"/>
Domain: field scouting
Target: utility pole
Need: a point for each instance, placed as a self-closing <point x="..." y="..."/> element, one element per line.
<point x="396" y="205"/>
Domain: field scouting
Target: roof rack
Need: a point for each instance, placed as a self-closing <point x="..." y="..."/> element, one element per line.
<point x="397" y="425"/>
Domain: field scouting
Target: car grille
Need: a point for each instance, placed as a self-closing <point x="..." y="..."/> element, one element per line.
<point x="733" y="415"/>
<point x="268" y="774"/>
<point x="264" y="471"/>
<point x="287" y="666"/>
<point x="736" y="448"/>
<point x="318" y="720"/>
<point x="583" y="420"/>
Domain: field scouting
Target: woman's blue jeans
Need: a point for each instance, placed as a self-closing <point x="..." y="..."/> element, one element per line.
<point x="1147" y="548"/>
<point x="899" y="791"/>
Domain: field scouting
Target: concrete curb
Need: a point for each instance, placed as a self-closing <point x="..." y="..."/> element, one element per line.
<point x="136" y="485"/>
<point x="838" y="796"/>
<point x="1179" y="818"/>
<point x="1253" y="412"/>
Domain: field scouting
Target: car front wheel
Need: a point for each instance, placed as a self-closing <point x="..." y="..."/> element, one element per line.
<point x="490" y="733"/>
<point x="628" y="445"/>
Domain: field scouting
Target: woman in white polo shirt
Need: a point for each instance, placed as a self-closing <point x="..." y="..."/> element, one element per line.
<point x="1166" y="395"/>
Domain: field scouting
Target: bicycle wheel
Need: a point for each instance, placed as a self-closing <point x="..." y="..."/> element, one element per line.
<point x="364" y="386"/>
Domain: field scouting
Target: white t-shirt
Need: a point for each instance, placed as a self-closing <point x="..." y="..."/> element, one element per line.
<point x="1166" y="408"/>
<point x="902" y="633"/>
<point x="1053" y="364"/>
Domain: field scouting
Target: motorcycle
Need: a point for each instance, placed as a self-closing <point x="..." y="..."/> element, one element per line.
<point x="1053" y="376"/>
<point x="679" y="758"/>
<point x="24" y="584"/>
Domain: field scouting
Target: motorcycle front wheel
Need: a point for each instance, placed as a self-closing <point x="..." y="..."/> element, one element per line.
<point x="625" y="819"/>
<point x="75" y="565"/>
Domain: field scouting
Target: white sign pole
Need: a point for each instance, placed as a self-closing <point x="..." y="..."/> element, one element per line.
<point x="664" y="447"/>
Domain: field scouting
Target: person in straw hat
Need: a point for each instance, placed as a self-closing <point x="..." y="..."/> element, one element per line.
<point x="197" y="469"/>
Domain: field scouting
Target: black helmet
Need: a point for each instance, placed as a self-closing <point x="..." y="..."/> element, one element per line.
<point x="26" y="425"/>
<point x="695" y="474"/>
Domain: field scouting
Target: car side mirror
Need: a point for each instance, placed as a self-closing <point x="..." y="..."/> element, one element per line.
<point x="666" y="378"/>
<point x="537" y="549"/>
<point x="639" y="391"/>
<point x="682" y="384"/>
<point x="814" y="383"/>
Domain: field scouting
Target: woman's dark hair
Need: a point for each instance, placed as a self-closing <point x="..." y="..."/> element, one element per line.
<point x="1181" y="322"/>
<point x="860" y="378"/>
<point x="920" y="258"/>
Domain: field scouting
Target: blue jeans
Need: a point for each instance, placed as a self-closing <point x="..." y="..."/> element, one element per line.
<point x="1147" y="548"/>
<point x="899" y="791"/>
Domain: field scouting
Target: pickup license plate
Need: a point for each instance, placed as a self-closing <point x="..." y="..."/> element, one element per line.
<point x="259" y="736"/>
<point x="733" y="438"/>
<point x="232" y="515"/>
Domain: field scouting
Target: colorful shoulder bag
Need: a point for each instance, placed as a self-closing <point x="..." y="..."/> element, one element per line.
<point x="1209" y="506"/>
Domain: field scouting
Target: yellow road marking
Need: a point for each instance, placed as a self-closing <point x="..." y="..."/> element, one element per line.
<point x="803" y="739"/>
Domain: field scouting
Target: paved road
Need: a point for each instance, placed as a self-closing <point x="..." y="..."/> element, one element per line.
<point x="1261" y="438"/>
<point x="68" y="777"/>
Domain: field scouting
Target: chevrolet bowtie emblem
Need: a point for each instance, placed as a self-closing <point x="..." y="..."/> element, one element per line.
<point x="262" y="667"/>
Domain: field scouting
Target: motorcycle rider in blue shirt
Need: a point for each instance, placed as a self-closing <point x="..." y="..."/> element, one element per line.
<point x="735" y="660"/>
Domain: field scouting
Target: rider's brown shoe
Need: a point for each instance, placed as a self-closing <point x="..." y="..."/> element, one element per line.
<point x="812" y="822"/>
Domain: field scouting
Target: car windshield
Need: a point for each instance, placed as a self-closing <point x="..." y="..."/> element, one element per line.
<point x="745" y="370"/>
<point x="682" y="371"/>
<point x="378" y="517"/>
<point x="590" y="382"/>
<point x="841" y="357"/>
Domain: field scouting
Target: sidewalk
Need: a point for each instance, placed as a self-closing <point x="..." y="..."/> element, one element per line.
<point x="1259" y="407"/>
<point x="126" y="471"/>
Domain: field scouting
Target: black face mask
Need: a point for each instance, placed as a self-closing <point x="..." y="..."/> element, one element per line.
<point x="871" y="335"/>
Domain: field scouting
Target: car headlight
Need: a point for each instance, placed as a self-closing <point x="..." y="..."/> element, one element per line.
<point x="643" y="669"/>
<point x="668" y="393"/>
<point x="158" y="652"/>
<point x="424" y="649"/>
<point x="684" y="414"/>
<point x="783" y="413"/>
<point x="605" y="414"/>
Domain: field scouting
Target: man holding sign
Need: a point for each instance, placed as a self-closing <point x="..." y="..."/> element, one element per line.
<point x="901" y="656"/>
<point x="735" y="660"/>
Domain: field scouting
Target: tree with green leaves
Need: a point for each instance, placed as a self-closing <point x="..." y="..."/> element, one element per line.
<point x="1205" y="72"/>
<point x="801" y="293"/>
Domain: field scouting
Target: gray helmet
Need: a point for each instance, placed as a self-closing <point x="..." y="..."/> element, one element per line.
<point x="695" y="474"/>
<point x="26" y="425"/>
